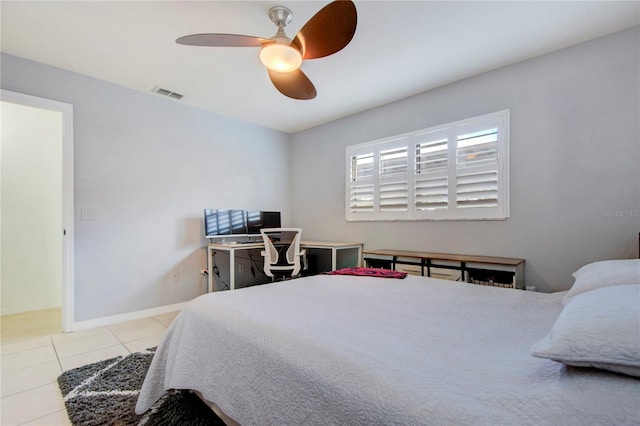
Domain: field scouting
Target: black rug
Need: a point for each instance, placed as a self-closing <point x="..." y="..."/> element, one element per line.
<point x="105" y="393"/>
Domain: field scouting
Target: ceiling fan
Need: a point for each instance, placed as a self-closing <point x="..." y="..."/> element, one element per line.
<point x="326" y="33"/>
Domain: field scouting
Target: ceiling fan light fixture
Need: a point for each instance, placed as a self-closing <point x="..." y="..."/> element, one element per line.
<point x="327" y="32"/>
<point x="280" y="57"/>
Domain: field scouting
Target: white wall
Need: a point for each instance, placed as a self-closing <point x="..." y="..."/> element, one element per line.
<point x="575" y="154"/>
<point x="31" y="208"/>
<point x="149" y="166"/>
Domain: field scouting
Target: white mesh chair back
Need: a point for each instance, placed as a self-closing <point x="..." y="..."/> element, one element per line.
<point x="281" y="251"/>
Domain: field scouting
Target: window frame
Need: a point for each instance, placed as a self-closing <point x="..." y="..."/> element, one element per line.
<point x="451" y="131"/>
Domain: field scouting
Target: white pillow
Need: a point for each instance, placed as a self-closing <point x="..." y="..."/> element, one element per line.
<point x="600" y="329"/>
<point x="604" y="274"/>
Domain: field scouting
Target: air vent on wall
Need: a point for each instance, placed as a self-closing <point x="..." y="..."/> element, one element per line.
<point x="169" y="93"/>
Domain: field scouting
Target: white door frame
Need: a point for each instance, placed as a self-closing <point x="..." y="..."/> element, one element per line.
<point x="68" y="282"/>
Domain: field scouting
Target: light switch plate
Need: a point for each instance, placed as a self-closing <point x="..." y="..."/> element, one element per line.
<point x="88" y="213"/>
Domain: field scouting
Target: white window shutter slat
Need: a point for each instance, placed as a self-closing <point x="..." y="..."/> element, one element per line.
<point x="394" y="196"/>
<point x="431" y="194"/>
<point x="361" y="198"/>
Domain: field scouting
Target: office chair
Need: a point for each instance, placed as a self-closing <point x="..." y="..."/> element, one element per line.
<point x="282" y="252"/>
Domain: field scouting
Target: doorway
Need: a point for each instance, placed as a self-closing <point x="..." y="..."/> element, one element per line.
<point x="36" y="268"/>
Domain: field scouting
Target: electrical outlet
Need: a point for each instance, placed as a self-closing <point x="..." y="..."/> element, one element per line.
<point x="88" y="213"/>
<point x="241" y="267"/>
<point x="175" y="276"/>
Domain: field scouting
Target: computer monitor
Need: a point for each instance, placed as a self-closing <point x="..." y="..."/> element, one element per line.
<point x="257" y="220"/>
<point x="221" y="223"/>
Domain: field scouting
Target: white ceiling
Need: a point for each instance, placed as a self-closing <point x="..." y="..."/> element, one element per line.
<point x="400" y="48"/>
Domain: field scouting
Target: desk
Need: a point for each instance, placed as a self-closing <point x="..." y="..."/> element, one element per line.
<point x="339" y="254"/>
<point x="486" y="270"/>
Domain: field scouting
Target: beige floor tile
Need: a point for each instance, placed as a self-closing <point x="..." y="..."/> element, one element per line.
<point x="166" y="319"/>
<point x="19" y="335"/>
<point x="65" y="337"/>
<point x="59" y="418"/>
<point x="31" y="405"/>
<point x="141" y="322"/>
<point x="27" y="358"/>
<point x="146" y="343"/>
<point x="136" y="330"/>
<point x="30" y="324"/>
<point x="85" y="344"/>
<point x="29" y="378"/>
<point x="24" y="345"/>
<point x="93" y="356"/>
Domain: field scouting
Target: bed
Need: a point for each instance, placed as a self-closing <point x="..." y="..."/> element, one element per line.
<point x="358" y="350"/>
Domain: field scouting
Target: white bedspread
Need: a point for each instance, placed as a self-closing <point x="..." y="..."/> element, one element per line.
<point x="330" y="350"/>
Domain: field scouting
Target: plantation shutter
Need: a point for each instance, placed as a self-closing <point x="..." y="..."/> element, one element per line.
<point x="394" y="186"/>
<point x="361" y="188"/>
<point x="457" y="171"/>
<point x="477" y="169"/>
<point x="431" y="174"/>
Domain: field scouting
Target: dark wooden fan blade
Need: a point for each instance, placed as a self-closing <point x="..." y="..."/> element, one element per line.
<point x="328" y="31"/>
<point x="294" y="84"/>
<point x="222" y="40"/>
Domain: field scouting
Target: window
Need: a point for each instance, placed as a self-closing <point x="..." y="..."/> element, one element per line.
<point x="457" y="171"/>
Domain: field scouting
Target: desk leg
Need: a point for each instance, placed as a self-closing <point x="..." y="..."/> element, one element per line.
<point x="209" y="270"/>
<point x="232" y="269"/>
<point x="334" y="259"/>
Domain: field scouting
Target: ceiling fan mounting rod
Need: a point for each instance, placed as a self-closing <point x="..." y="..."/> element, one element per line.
<point x="280" y="15"/>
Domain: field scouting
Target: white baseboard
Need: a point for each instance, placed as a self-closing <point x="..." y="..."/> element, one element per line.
<point x="114" y="319"/>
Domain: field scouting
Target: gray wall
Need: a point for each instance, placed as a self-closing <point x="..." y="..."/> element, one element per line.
<point x="149" y="166"/>
<point x="575" y="155"/>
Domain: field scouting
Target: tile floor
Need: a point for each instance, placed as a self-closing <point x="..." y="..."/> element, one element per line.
<point x="30" y="324"/>
<point x="30" y="366"/>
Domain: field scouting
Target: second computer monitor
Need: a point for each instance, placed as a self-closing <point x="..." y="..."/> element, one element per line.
<point x="257" y="220"/>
